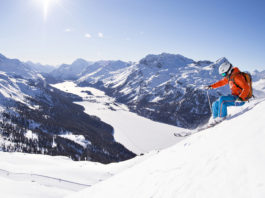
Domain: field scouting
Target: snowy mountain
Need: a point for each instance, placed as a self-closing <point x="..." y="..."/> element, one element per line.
<point x="15" y="67"/>
<point x="66" y="119"/>
<point x="37" y="118"/>
<point x="258" y="75"/>
<point x="259" y="82"/>
<point x="222" y="162"/>
<point x="72" y="71"/>
<point x="83" y="69"/>
<point x="165" y="87"/>
<point x="101" y="70"/>
<point x="41" y="68"/>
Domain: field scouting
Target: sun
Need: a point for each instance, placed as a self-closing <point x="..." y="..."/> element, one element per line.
<point x="46" y="5"/>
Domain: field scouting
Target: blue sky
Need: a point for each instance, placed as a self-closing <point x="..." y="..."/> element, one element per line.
<point x="131" y="29"/>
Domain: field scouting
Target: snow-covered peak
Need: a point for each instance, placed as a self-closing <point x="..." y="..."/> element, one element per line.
<point x="156" y="81"/>
<point x="258" y="75"/>
<point x="2" y="57"/>
<point x="204" y="63"/>
<point x="17" y="68"/>
<point x="79" y="62"/>
<point x="221" y="60"/>
<point x="165" y="60"/>
<point x="71" y="71"/>
<point x="110" y="64"/>
<point x="101" y="70"/>
<point x="214" y="66"/>
<point x="40" y="68"/>
<point x="15" y="89"/>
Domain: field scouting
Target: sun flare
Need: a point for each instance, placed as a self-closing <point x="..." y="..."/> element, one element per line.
<point x="46" y="5"/>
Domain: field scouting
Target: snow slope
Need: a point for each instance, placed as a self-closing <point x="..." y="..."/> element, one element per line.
<point x="15" y="67"/>
<point x="42" y="176"/>
<point x="17" y="89"/>
<point x="28" y="124"/>
<point x="222" y="162"/>
<point x="259" y="87"/>
<point x="136" y="133"/>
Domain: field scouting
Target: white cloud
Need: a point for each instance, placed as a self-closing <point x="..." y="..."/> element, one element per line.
<point x="100" y="35"/>
<point x="88" y="35"/>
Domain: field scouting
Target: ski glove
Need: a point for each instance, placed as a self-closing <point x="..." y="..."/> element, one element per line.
<point x="208" y="87"/>
<point x="239" y="100"/>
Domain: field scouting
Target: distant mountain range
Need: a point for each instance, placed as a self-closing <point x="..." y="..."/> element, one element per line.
<point x="165" y="87"/>
<point x="15" y="67"/>
<point x="41" y="68"/>
<point x="37" y="118"/>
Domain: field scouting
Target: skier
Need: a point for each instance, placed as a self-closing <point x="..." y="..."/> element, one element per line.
<point x="240" y="89"/>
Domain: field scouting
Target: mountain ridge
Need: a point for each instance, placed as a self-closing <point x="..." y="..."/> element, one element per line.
<point x="165" y="87"/>
<point x="157" y="84"/>
<point x="38" y="118"/>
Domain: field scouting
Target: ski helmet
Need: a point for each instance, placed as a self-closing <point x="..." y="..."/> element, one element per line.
<point x="225" y="68"/>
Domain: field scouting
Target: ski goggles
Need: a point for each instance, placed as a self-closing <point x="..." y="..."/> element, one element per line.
<point x="223" y="74"/>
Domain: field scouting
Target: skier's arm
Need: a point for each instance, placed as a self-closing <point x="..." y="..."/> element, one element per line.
<point x="220" y="83"/>
<point x="241" y="82"/>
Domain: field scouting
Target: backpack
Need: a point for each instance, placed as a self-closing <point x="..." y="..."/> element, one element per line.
<point x="248" y="79"/>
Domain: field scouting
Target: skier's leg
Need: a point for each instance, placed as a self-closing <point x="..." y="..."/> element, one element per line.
<point x="226" y="101"/>
<point x="234" y="103"/>
<point x="215" y="109"/>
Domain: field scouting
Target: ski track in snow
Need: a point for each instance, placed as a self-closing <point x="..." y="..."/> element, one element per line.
<point x="42" y="176"/>
<point x="44" y="180"/>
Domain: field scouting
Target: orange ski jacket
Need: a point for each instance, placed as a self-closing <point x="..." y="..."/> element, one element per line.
<point x="242" y="90"/>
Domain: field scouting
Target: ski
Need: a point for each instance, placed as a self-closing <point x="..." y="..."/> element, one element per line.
<point x="188" y="133"/>
<point x="208" y="126"/>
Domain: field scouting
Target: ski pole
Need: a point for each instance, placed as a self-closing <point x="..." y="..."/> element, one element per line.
<point x="209" y="102"/>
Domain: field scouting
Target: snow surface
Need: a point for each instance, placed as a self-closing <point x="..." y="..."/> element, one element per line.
<point x="136" y="133"/>
<point x="16" y="67"/>
<point x="79" y="139"/>
<point x="42" y="176"/>
<point x="66" y="71"/>
<point x="222" y="162"/>
<point x="16" y="89"/>
<point x="153" y="74"/>
<point x="259" y="85"/>
<point x="31" y="135"/>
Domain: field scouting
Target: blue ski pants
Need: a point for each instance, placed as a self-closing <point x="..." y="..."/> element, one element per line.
<point x="219" y="107"/>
